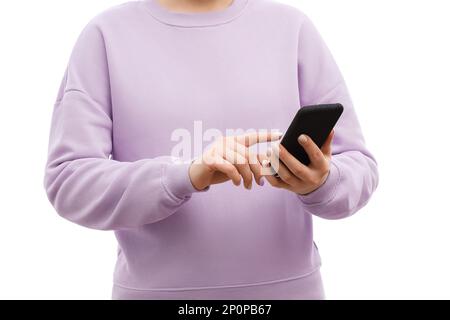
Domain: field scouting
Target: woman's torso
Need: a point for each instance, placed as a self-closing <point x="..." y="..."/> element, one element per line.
<point x="171" y="81"/>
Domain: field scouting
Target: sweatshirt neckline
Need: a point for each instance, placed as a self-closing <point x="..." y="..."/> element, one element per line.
<point x="196" y="19"/>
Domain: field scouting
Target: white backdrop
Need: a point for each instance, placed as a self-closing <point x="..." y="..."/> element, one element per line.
<point x="395" y="58"/>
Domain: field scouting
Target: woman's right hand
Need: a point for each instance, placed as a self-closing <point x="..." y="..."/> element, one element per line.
<point x="229" y="158"/>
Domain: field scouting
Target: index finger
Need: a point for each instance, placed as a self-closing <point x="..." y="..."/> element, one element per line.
<point x="296" y="167"/>
<point x="314" y="153"/>
<point x="326" y="148"/>
<point x="258" y="137"/>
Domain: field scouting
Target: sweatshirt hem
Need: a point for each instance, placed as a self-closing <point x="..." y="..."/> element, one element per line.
<point x="245" y="285"/>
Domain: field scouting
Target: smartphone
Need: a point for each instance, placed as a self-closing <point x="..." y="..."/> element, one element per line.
<point x="317" y="122"/>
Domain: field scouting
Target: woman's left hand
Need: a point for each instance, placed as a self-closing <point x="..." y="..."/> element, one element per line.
<point x="295" y="176"/>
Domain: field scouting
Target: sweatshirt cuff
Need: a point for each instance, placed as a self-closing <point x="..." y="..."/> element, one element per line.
<point x="176" y="180"/>
<point x="327" y="191"/>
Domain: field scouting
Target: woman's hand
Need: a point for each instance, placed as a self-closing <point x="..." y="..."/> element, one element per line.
<point x="229" y="159"/>
<point x="295" y="176"/>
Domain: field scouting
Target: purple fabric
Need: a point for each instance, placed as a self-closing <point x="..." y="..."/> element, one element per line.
<point x="137" y="73"/>
<point x="311" y="289"/>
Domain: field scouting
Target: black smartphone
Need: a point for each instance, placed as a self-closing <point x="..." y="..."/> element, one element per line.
<point x="317" y="122"/>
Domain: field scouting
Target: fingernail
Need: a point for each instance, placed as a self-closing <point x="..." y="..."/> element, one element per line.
<point x="278" y="133"/>
<point x="302" y="139"/>
<point x="261" y="182"/>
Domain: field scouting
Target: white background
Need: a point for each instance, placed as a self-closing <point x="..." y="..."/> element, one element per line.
<point x="395" y="58"/>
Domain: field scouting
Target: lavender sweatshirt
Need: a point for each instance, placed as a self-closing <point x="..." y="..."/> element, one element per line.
<point x="139" y="72"/>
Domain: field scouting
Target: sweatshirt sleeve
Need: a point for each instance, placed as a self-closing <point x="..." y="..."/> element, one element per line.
<point x="82" y="182"/>
<point x="353" y="170"/>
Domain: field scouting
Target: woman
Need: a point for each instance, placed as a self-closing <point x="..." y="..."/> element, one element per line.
<point x="142" y="71"/>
